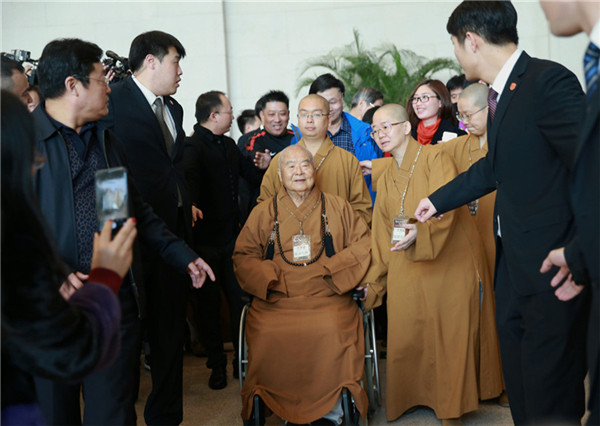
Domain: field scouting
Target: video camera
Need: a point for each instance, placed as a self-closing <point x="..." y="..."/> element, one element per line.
<point x="24" y="56"/>
<point x="118" y="64"/>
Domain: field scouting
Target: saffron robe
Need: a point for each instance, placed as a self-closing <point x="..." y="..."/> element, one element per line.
<point x="304" y="330"/>
<point x="338" y="173"/>
<point x="433" y="292"/>
<point x="465" y="151"/>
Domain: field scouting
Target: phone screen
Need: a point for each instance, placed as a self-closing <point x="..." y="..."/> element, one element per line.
<point x="112" y="196"/>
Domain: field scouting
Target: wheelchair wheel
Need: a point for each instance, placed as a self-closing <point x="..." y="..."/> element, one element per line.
<point x="243" y="347"/>
<point x="372" y="384"/>
<point x="352" y="416"/>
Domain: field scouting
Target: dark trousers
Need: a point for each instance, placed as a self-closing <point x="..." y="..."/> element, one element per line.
<point x="207" y="301"/>
<point x="542" y="343"/>
<point x="594" y="358"/>
<point x="109" y="394"/>
<point x="166" y="297"/>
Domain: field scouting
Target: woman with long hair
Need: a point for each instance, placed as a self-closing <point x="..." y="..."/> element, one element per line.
<point x="431" y="114"/>
<point x="43" y="334"/>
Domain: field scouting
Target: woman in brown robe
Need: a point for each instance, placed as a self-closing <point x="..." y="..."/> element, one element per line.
<point x="432" y="277"/>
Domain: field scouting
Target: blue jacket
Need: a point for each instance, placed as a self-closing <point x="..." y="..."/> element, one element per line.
<point x="365" y="147"/>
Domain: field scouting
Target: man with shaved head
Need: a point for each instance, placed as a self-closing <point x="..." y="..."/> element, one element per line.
<point x="300" y="255"/>
<point x="432" y="274"/>
<point x="337" y="171"/>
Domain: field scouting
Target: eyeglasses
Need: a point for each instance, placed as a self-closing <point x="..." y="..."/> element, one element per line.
<point x="313" y="115"/>
<point x="385" y="127"/>
<point x="467" y="117"/>
<point x="105" y="80"/>
<point x="423" y="99"/>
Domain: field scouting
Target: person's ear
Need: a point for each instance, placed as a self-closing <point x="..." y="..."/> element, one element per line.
<point x="71" y="85"/>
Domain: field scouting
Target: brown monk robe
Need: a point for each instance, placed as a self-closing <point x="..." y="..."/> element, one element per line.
<point x="431" y="277"/>
<point x="338" y="171"/>
<point x="466" y="150"/>
<point x="304" y="331"/>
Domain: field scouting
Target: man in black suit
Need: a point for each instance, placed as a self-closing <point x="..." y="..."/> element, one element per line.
<point x="534" y="120"/>
<point x="149" y="122"/>
<point x="75" y="147"/>
<point x="567" y="19"/>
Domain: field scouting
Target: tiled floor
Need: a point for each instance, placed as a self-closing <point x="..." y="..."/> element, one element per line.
<point x="203" y="406"/>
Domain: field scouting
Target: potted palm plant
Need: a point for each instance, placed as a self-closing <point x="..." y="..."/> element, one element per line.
<point x="395" y="72"/>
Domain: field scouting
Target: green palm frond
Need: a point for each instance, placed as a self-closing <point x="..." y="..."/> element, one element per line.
<point x="393" y="71"/>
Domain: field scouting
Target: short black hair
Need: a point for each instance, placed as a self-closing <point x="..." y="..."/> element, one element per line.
<point x="369" y="94"/>
<point x="368" y="116"/>
<point x="155" y="43"/>
<point x="8" y="65"/>
<point x="456" y="82"/>
<point x="207" y="103"/>
<point x="494" y="21"/>
<point x="272" y="96"/>
<point x="326" y="82"/>
<point x="63" y="58"/>
<point x="247" y="116"/>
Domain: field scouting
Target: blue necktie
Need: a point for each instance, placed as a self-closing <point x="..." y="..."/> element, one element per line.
<point x="590" y="68"/>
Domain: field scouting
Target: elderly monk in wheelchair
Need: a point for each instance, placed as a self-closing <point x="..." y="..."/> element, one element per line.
<point x="300" y="255"/>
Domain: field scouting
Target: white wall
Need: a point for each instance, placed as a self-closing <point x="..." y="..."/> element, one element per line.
<point x="247" y="48"/>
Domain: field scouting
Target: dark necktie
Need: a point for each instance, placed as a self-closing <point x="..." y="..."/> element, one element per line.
<point x="492" y="103"/>
<point x="159" y="111"/>
<point x="590" y="68"/>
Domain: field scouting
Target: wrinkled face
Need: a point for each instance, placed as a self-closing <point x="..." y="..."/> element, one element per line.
<point x="93" y="100"/>
<point x="477" y="121"/>
<point x="297" y="172"/>
<point x="391" y="138"/>
<point x="311" y="126"/>
<point x="275" y="117"/>
<point x="20" y="86"/>
<point x="224" y="114"/>
<point x="429" y="109"/>
<point x="336" y="103"/>
<point x="167" y="73"/>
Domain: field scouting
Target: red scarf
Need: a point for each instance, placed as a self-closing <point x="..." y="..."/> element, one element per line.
<point x="425" y="134"/>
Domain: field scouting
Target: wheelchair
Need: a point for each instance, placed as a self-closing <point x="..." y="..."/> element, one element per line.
<point x="370" y="382"/>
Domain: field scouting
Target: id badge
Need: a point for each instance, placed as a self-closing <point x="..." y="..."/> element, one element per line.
<point x="301" y="248"/>
<point x="398" y="232"/>
<point x="473" y="205"/>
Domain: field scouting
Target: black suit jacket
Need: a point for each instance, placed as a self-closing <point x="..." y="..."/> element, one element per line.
<point x="585" y="197"/>
<point x="156" y="174"/>
<point x="532" y="145"/>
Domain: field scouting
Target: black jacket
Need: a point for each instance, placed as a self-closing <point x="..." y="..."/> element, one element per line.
<point x="53" y="186"/>
<point x="532" y="145"/>
<point x="213" y="166"/>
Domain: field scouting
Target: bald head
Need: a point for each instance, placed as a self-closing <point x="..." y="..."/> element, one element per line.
<point x="295" y="151"/>
<point x="313" y="117"/>
<point x="477" y="94"/>
<point x="395" y="112"/>
<point x="314" y="99"/>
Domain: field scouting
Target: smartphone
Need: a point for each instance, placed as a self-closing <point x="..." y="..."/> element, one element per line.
<point x="112" y="201"/>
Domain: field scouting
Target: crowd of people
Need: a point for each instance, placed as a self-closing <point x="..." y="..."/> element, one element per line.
<point x="471" y="213"/>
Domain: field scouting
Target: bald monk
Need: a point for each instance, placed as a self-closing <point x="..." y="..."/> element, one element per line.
<point x="466" y="150"/>
<point x="304" y="331"/>
<point x="338" y="171"/>
<point x="432" y="277"/>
